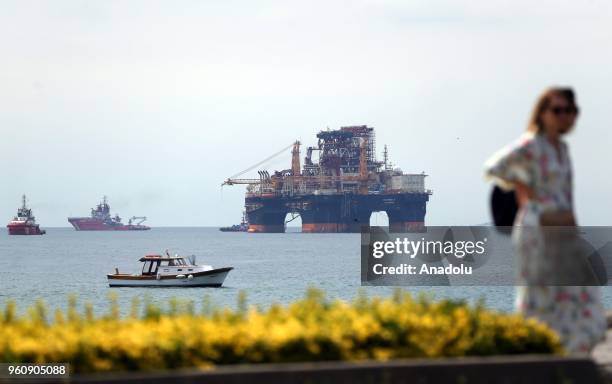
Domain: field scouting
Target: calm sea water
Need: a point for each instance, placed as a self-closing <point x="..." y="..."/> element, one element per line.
<point x="268" y="267"/>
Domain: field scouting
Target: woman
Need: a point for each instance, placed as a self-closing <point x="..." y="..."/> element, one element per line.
<point x="538" y="168"/>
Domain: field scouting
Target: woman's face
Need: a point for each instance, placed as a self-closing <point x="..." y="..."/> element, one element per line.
<point x="559" y="116"/>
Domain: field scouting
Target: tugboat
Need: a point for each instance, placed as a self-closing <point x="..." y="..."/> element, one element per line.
<point x="25" y="222"/>
<point x="101" y="220"/>
<point x="170" y="271"/>
<point x="242" y="227"/>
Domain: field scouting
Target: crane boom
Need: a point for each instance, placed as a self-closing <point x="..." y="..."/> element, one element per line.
<point x="141" y="219"/>
<point x="261" y="162"/>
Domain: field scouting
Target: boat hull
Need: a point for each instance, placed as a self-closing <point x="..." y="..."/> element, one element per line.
<point x="24" y="229"/>
<point x="211" y="278"/>
<point x="89" y="224"/>
<point x="231" y="229"/>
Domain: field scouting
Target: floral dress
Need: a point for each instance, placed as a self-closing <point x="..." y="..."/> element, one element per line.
<point x="575" y="312"/>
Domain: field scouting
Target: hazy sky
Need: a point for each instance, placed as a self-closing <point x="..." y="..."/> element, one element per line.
<point x="154" y="103"/>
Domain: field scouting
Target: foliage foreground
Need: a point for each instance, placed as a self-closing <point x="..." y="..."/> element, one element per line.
<point x="311" y="329"/>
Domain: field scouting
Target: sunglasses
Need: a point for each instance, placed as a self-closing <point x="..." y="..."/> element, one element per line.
<point x="570" y="110"/>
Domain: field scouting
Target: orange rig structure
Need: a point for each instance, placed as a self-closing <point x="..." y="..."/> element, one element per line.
<point x="337" y="193"/>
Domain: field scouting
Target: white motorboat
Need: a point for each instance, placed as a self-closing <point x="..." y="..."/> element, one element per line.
<point x="170" y="271"/>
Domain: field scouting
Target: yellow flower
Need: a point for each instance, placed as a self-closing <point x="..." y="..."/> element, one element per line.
<point x="312" y="328"/>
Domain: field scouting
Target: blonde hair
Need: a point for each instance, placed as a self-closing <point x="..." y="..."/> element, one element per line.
<point x="535" y="122"/>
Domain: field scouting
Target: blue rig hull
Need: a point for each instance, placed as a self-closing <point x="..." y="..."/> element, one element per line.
<point x="337" y="213"/>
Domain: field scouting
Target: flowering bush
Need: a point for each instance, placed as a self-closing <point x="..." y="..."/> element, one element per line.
<point x="312" y="329"/>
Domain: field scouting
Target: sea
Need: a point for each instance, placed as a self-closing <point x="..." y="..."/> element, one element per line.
<point x="268" y="268"/>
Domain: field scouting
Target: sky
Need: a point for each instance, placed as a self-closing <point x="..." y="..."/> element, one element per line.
<point x="155" y="103"/>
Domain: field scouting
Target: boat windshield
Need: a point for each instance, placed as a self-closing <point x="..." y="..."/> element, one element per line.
<point x="175" y="262"/>
<point x="150" y="267"/>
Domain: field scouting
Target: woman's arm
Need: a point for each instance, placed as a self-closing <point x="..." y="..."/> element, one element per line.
<point x="513" y="168"/>
<point x="525" y="193"/>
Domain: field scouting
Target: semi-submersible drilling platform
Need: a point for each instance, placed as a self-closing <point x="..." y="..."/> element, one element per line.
<point x="337" y="193"/>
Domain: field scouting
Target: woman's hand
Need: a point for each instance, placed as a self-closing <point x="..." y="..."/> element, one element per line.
<point x="558" y="219"/>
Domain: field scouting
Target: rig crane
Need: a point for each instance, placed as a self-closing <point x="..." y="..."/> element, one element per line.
<point x="139" y="219"/>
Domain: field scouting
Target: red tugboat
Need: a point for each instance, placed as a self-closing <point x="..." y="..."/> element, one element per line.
<point x="24" y="223"/>
<point x="101" y="220"/>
